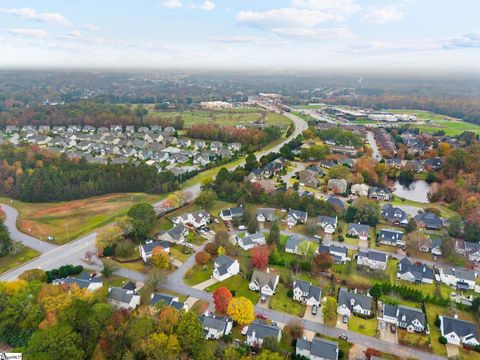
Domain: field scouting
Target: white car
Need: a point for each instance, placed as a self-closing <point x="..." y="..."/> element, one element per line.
<point x="244" y="330"/>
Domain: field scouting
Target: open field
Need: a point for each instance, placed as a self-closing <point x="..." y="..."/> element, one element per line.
<point x="450" y="127"/>
<point x="221" y="117"/>
<point x="422" y="114"/>
<point x="68" y="220"/>
<point x="9" y="262"/>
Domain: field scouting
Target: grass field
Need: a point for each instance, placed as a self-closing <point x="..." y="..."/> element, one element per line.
<point x="363" y="326"/>
<point x="198" y="274"/>
<point x="281" y="302"/>
<point x="238" y="284"/>
<point x="451" y="127"/>
<point x="221" y="117"/>
<point x="69" y="220"/>
<point x="9" y="262"/>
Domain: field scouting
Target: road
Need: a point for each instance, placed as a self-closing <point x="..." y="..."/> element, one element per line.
<point x="373" y="144"/>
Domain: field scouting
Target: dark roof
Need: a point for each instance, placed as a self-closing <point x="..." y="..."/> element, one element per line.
<point x="429" y="219"/>
<point x="129" y="286"/>
<point x="263" y="330"/>
<point x="407" y="314"/>
<point x="324" y="349"/>
<point x="460" y="327"/>
<point x="336" y="202"/>
<point x="350" y="299"/>
<point x="150" y="245"/>
<point x="418" y="270"/>
<point x="374" y="255"/>
<point x="359" y="228"/>
<point x="214" y="322"/>
<point x="120" y="295"/>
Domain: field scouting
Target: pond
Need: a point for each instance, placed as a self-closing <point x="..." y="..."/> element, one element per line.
<point x="416" y="190"/>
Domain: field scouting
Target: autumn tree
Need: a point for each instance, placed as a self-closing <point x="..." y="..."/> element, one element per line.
<point x="159" y="258"/>
<point x="167" y="320"/>
<point x="260" y="256"/>
<point x="108" y="236"/>
<point x="160" y="346"/>
<point x="207" y="198"/>
<point x="221" y="298"/>
<point x="322" y="261"/>
<point x="202" y="257"/>
<point x="415" y="240"/>
<point x="241" y="310"/>
<point x="330" y="310"/>
<point x="190" y="333"/>
<point x="55" y="342"/>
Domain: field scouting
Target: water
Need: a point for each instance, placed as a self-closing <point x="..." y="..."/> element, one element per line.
<point x="416" y="190"/>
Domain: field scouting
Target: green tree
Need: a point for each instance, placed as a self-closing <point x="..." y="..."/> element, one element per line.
<point x="274" y="235"/>
<point x="376" y="291"/>
<point x="411" y="226"/>
<point x="55" y="342"/>
<point x="251" y="162"/>
<point x="161" y="347"/>
<point x="144" y="216"/>
<point x="330" y="310"/>
<point x="190" y="332"/>
<point x="455" y="226"/>
<point x="5" y="241"/>
<point x="207" y="199"/>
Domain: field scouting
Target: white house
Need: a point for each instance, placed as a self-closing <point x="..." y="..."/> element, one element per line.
<point x="417" y="272"/>
<point x="168" y="300"/>
<point x="251" y="240"/>
<point x="216" y="326"/>
<point x="339" y="253"/>
<point x="258" y="330"/>
<point x="458" y="331"/>
<point x="327" y="223"/>
<point x="405" y="317"/>
<point x="352" y="302"/>
<point x="306" y="293"/>
<point x="196" y="219"/>
<point x="295" y="217"/>
<point x="359" y="231"/>
<point x="373" y="259"/>
<point x="391" y="237"/>
<point x="123" y="298"/>
<point x="83" y="281"/>
<point x="264" y="282"/>
<point x="266" y="215"/>
<point x="317" y="349"/>
<point x="225" y="267"/>
<point x="147" y="248"/>
<point x="469" y="249"/>
<point x="459" y="278"/>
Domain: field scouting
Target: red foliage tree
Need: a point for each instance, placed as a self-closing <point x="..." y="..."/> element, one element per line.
<point x="202" y="257"/>
<point x="260" y="256"/>
<point x="221" y="299"/>
<point x="322" y="261"/>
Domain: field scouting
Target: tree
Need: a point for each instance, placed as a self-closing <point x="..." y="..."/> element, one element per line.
<point x="221" y="298"/>
<point x="221" y="251"/>
<point x="159" y="258"/>
<point x="274" y="235"/>
<point x="108" y="236"/>
<point x="411" y="226"/>
<point x="363" y="211"/>
<point x="376" y="291"/>
<point x="55" y="342"/>
<point x="202" y="257"/>
<point x="144" y="216"/>
<point x="241" y="310"/>
<point x="155" y="279"/>
<point x="161" y="347"/>
<point x="330" y="310"/>
<point x="252" y="225"/>
<point x="190" y="332"/>
<point x="442" y="340"/>
<point x="455" y="226"/>
<point x="294" y="328"/>
<point x="251" y="162"/>
<point x="415" y="240"/>
<point x="211" y="248"/>
<point x="322" y="261"/>
<point x="269" y="355"/>
<point x="207" y="198"/>
<point x="307" y="249"/>
<point x="109" y="267"/>
<point x="167" y="320"/>
<point x="260" y="256"/>
<point x="34" y="274"/>
<point x="5" y="240"/>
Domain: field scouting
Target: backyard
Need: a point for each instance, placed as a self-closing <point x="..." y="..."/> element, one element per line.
<point x="198" y="274"/>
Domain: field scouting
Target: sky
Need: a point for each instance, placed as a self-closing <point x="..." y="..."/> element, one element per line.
<point x="241" y="34"/>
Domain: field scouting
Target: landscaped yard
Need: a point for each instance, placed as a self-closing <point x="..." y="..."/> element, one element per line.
<point x="198" y="274"/>
<point x="412" y="339"/>
<point x="66" y="221"/>
<point x="432" y="311"/>
<point x="178" y="252"/>
<point x="240" y="285"/>
<point x="9" y="262"/>
<point x="363" y="326"/>
<point x="282" y="302"/>
<point x="137" y="265"/>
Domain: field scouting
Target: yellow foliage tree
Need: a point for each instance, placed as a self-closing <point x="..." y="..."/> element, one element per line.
<point x="159" y="258"/>
<point x="220" y="251"/>
<point x="241" y="310"/>
<point x="108" y="236"/>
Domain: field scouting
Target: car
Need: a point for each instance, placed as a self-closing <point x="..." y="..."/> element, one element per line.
<point x="318" y="237"/>
<point x="393" y="329"/>
<point x="343" y="336"/>
<point x="261" y="317"/>
<point x="216" y="221"/>
<point x="345" y="319"/>
<point x="314" y="309"/>
<point x="242" y="227"/>
<point x="212" y="232"/>
<point x="244" y="330"/>
<point x="383" y="325"/>
<point x="263" y="299"/>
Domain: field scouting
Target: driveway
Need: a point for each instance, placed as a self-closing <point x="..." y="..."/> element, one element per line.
<point x="316" y="318"/>
<point x="340" y="324"/>
<point x="452" y="351"/>
<point x="205" y="284"/>
<point x="264" y="304"/>
<point x="386" y="334"/>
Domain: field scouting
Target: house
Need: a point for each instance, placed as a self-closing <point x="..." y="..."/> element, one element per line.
<point x="201" y="159"/>
<point x="251" y="240"/>
<point x="308" y="178"/>
<point x="394" y="215"/>
<point x="258" y="330"/>
<point x="215" y="146"/>
<point x="199" y="144"/>
<point x="235" y="146"/>
<point x="359" y="231"/>
<point x="91" y="282"/>
<point x="123" y="298"/>
<point x="317" y="349"/>
<point x="395" y="162"/>
<point x="469" y="249"/>
<point x="435" y="163"/>
<point x="338" y="186"/>
<point x="295" y="217"/>
<point x="347" y="162"/>
<point x="147" y="248"/>
<point x="458" y="278"/>
<point x="458" y="332"/>
<point x="429" y="220"/>
<point x="196" y="219"/>
<point x="216" y="327"/>
<point x="405" y="317"/>
<point x="232" y="213"/>
<point x="167" y="300"/>
<point x="266" y="215"/>
<point x="225" y="267"/>
<point x="436" y="247"/>
<point x="336" y="202"/>
<point x="417" y="273"/>
<point x="265" y="282"/>
<point x="327" y="164"/>
<point x="273" y="167"/>
<point x="177" y="234"/>
<point x="360" y="190"/>
<point x="339" y="253"/>
<point x="391" y="237"/>
<point x="307" y="293"/>
<point x="293" y="242"/>
<point x="380" y="194"/>
<point x="184" y="142"/>
<point x="373" y="259"/>
<point x="353" y="303"/>
<point x="327" y="223"/>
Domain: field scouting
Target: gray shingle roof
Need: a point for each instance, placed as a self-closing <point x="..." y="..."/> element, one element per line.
<point x="263" y="330"/>
<point x="460" y="327"/>
<point x="350" y="299"/>
<point x="214" y="322"/>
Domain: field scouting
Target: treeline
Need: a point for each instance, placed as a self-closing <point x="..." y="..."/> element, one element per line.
<point x="467" y="109"/>
<point x="246" y="136"/>
<point x="341" y="137"/>
<point x="5" y="240"/>
<point x="30" y="174"/>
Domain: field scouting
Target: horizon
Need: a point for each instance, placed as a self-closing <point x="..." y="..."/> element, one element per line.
<point x="212" y="35"/>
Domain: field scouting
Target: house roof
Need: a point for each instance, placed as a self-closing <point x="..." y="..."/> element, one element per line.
<point x="418" y="270"/>
<point x="222" y="264"/>
<point x="263" y="330"/>
<point x="262" y="278"/>
<point x="391" y="235"/>
<point x="374" y="255"/>
<point x="214" y="322"/>
<point x="120" y="295"/>
<point x="321" y="348"/>
<point x="409" y="314"/>
<point x="268" y="213"/>
<point x="336" y="202"/>
<point x="293" y="241"/>
<point x="359" y="228"/>
<point x="392" y="213"/>
<point x="429" y="219"/>
<point x="327" y="220"/>
<point x="460" y="327"/>
<point x="150" y="245"/>
<point x="298" y="215"/>
<point x="350" y="299"/>
<point x="460" y="273"/>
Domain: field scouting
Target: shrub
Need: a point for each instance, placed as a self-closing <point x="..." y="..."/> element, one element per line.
<point x="108" y="251"/>
<point x="437" y="321"/>
<point x="202" y="257"/>
<point x="306" y="266"/>
<point x="211" y="248"/>
<point x="340" y="238"/>
<point x="34" y="274"/>
<point x="290" y="293"/>
<point x="442" y="340"/>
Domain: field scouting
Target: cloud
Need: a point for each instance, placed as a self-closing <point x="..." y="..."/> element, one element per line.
<point x="172" y="4"/>
<point x="383" y="14"/>
<point x="33" y="15"/>
<point x="91" y="27"/>
<point x="207" y="6"/>
<point x="28" y="33"/>
<point x="336" y="6"/>
<point x="242" y="39"/>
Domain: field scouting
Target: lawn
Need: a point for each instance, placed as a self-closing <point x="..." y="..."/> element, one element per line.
<point x="221" y="117"/>
<point x="419" y="341"/>
<point x="451" y="127"/>
<point x="422" y="114"/>
<point x="240" y="285"/>
<point x="66" y="221"/>
<point x="432" y="311"/>
<point x="199" y="307"/>
<point x="180" y="252"/>
<point x="445" y="212"/>
<point x="281" y="302"/>
<point x="198" y="274"/>
<point x="363" y="326"/>
<point x="137" y="265"/>
<point x="9" y="262"/>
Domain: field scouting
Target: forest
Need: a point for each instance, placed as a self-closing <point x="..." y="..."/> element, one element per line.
<point x="31" y="174"/>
